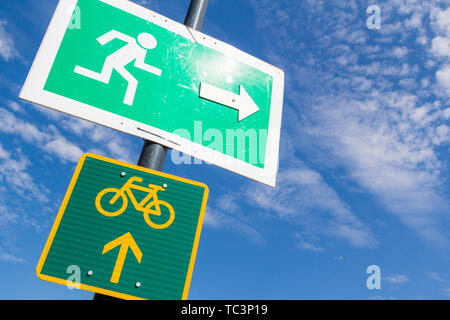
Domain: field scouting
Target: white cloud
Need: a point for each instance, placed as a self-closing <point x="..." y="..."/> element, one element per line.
<point x="415" y="21"/>
<point x="7" y="216"/>
<point x="9" y="257"/>
<point x="227" y="203"/>
<point x="23" y="200"/>
<point x="13" y="105"/>
<point x="302" y="244"/>
<point x="395" y="162"/>
<point x="148" y="4"/>
<point x="65" y="150"/>
<point x="110" y="141"/>
<point x="443" y="77"/>
<point x="83" y="128"/>
<point x="119" y="151"/>
<point x="10" y="124"/>
<point x="8" y="50"/>
<point x="3" y="153"/>
<point x="49" y="140"/>
<point x="383" y="135"/>
<point x="56" y="139"/>
<point x="399" y="52"/>
<point x="14" y="168"/>
<point x="440" y="47"/>
<point x="446" y="291"/>
<point x="303" y="198"/>
<point x="422" y="40"/>
<point x="436" y="277"/>
<point x="446" y="113"/>
<point x="441" y="20"/>
<point x="223" y="220"/>
<point x="396" y="278"/>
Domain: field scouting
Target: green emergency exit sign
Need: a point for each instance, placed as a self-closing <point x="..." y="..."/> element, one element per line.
<point x="131" y="69"/>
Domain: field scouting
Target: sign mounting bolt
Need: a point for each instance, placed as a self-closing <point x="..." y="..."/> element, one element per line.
<point x="138" y="284"/>
<point x="90" y="273"/>
<point x="123" y="174"/>
<point x="165" y="185"/>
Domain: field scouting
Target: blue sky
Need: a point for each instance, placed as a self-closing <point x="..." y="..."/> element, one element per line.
<point x="364" y="158"/>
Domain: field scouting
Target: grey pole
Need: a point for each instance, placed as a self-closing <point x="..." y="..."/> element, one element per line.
<point x="153" y="154"/>
<point x="196" y="14"/>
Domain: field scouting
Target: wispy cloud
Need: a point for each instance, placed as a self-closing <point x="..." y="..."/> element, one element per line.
<point x="24" y="201"/>
<point x="106" y="141"/>
<point x="8" y="49"/>
<point x="303" y="244"/>
<point x="14" y="106"/>
<point x="14" y="167"/>
<point x="10" y="257"/>
<point x="219" y="219"/>
<point x="48" y="139"/>
<point x="51" y="140"/>
<point x="371" y="109"/>
<point x="396" y="278"/>
<point x="446" y="291"/>
<point x="7" y="216"/>
<point x="440" y="46"/>
<point x="436" y="277"/>
<point x="303" y="198"/>
<point x="152" y="5"/>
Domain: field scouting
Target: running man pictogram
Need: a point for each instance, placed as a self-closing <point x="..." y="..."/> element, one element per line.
<point x="133" y="50"/>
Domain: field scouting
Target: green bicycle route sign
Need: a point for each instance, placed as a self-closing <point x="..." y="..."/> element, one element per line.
<point x="128" y="231"/>
<point x="136" y="71"/>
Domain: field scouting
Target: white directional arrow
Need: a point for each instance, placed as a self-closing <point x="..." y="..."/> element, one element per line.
<point x="241" y="102"/>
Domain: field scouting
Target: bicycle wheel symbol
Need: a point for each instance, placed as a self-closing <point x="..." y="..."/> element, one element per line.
<point x="160" y="203"/>
<point x="111" y="202"/>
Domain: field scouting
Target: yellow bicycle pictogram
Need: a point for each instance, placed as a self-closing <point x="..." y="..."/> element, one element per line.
<point x="146" y="206"/>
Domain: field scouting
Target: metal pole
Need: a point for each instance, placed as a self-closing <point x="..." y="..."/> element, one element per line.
<point x="153" y="154"/>
<point x="196" y="14"/>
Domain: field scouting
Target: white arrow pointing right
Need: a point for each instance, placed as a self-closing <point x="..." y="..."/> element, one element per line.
<point x="241" y="102"/>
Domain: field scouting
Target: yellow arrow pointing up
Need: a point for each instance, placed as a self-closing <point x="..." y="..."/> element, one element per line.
<point x="125" y="242"/>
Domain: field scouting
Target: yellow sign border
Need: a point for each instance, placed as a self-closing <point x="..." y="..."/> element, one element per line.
<point x="66" y="201"/>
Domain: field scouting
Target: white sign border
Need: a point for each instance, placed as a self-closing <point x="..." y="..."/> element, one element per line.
<point x="33" y="91"/>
